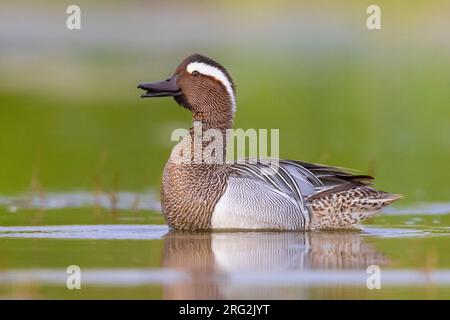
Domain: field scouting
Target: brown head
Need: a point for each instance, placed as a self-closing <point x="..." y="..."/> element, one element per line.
<point x="201" y="85"/>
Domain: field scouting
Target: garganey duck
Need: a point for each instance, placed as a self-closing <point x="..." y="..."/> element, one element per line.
<point x="296" y="196"/>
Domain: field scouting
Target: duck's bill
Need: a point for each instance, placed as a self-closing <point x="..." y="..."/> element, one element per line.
<point x="165" y="88"/>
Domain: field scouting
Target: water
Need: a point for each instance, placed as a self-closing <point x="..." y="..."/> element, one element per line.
<point x="130" y="253"/>
<point x="375" y="102"/>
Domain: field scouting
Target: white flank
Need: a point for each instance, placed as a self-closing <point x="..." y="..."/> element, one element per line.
<point x="217" y="74"/>
<point x="230" y="213"/>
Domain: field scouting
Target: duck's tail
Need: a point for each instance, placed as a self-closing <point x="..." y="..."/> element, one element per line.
<point x="346" y="205"/>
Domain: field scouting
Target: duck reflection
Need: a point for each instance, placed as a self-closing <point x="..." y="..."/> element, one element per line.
<point x="213" y="258"/>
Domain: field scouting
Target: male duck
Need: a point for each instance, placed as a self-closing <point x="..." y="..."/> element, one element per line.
<point x="299" y="196"/>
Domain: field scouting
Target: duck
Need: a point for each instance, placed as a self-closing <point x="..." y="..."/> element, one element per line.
<point x="249" y="195"/>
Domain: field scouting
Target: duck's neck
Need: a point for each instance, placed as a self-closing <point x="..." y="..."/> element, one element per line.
<point x="209" y="133"/>
<point x="215" y="119"/>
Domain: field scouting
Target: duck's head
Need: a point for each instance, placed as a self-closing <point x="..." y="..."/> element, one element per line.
<point x="201" y="85"/>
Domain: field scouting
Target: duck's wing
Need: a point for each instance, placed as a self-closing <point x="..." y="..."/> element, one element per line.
<point x="274" y="194"/>
<point x="324" y="178"/>
<point x="299" y="179"/>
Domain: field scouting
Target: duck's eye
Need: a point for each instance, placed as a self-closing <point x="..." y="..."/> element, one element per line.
<point x="195" y="73"/>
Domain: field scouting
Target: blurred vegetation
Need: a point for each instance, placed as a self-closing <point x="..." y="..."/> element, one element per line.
<point x="83" y="120"/>
<point x="71" y="117"/>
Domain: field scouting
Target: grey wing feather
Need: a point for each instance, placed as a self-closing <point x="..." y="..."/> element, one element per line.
<point x="324" y="177"/>
<point x="298" y="180"/>
<point x="259" y="203"/>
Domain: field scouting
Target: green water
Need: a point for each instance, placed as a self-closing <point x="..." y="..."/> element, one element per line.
<point x="217" y="265"/>
<point x="71" y="122"/>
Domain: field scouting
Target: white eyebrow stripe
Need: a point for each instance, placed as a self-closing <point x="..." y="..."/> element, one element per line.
<point x="217" y="74"/>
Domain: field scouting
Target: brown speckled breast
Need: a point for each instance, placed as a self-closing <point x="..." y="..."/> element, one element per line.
<point x="189" y="193"/>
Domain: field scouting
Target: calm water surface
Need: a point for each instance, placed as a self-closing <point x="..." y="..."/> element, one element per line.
<point x="126" y="253"/>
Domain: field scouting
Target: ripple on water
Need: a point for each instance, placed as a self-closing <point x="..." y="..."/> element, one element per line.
<point x="425" y="208"/>
<point x="131" y="277"/>
<point x="148" y="201"/>
<point x="148" y="232"/>
<point x="82" y="199"/>
<point x="396" y="232"/>
<point x="106" y="232"/>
